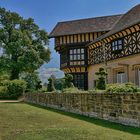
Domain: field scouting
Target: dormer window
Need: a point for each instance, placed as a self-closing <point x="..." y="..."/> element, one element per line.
<point x="117" y="45"/>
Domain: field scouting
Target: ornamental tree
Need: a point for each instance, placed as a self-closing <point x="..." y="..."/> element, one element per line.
<point x="101" y="82"/>
<point x="69" y="80"/>
<point x="24" y="44"/>
<point x="51" y="86"/>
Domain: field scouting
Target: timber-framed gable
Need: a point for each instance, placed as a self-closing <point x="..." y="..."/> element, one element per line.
<point x="112" y="42"/>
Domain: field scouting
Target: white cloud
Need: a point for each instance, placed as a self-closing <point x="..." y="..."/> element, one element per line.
<point x="45" y="73"/>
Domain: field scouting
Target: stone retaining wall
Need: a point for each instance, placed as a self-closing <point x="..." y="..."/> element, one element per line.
<point x="120" y="108"/>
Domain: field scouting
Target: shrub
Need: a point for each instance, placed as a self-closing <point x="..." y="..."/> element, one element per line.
<point x="68" y="81"/>
<point x="12" y="89"/>
<point x="131" y="87"/>
<point x="4" y="82"/>
<point x="96" y="91"/>
<point x="117" y="88"/>
<point x="59" y="84"/>
<point x="51" y="85"/>
<point x="73" y="90"/>
<point x="3" y="89"/>
<point x="17" y="87"/>
<point x="3" y="92"/>
<point x="138" y="90"/>
<point x="4" y="76"/>
<point x="43" y="89"/>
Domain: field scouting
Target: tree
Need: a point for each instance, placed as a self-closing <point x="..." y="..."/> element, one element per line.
<point x="32" y="80"/>
<point x="101" y="83"/>
<point x="60" y="83"/>
<point x="3" y="76"/>
<point x="51" y="85"/>
<point x="24" y="44"/>
<point x="68" y="80"/>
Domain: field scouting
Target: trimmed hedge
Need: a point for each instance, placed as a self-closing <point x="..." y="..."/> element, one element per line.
<point x="117" y="88"/>
<point x="3" y="92"/>
<point x="12" y="89"/>
<point x="73" y="90"/>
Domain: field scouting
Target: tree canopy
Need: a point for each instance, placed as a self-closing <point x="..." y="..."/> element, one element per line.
<point x="24" y="44"/>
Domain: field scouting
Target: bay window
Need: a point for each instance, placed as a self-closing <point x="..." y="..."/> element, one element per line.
<point x="77" y="56"/>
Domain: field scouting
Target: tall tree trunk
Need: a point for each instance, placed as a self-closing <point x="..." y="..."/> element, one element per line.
<point x="14" y="70"/>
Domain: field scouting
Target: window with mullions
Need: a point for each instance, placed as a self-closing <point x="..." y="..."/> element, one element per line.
<point x="79" y="80"/>
<point x="121" y="77"/>
<point x="117" y="45"/>
<point x="77" y="56"/>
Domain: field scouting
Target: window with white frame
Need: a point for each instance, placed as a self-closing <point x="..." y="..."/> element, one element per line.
<point x="121" y="77"/>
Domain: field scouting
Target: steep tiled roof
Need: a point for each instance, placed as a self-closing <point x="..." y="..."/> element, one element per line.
<point x="84" y="25"/>
<point x="132" y="17"/>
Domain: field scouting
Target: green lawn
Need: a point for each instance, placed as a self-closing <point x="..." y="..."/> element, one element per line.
<point x="19" y="121"/>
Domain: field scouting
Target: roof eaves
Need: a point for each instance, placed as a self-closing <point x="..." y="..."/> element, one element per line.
<point x="104" y="36"/>
<point x="51" y="35"/>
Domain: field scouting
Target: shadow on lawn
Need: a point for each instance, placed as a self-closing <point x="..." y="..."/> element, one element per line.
<point x="103" y="123"/>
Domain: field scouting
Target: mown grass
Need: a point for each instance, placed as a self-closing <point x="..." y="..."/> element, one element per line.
<point x="19" y="121"/>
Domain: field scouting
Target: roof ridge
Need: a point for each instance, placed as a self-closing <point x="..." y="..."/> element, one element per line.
<point x="90" y="18"/>
<point x="117" y="21"/>
<point x="96" y="24"/>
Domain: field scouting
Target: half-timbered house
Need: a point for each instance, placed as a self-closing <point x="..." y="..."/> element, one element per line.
<point x="112" y="42"/>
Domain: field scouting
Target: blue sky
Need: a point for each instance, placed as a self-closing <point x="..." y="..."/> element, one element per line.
<point x="48" y="12"/>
